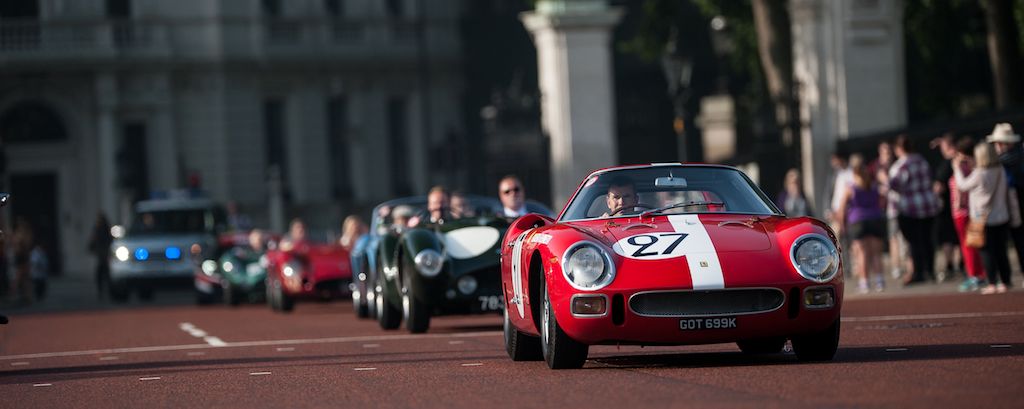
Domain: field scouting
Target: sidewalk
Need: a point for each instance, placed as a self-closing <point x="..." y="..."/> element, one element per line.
<point x="77" y="292"/>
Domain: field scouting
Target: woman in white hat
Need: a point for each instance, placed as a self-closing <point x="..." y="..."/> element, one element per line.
<point x="1011" y="156"/>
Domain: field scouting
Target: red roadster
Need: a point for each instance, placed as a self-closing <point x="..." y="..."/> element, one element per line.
<point x="669" y="254"/>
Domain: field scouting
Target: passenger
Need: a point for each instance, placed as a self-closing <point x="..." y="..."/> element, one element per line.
<point x="400" y="218"/>
<point x="296" y="238"/>
<point x="621" y="197"/>
<point x="460" y="206"/>
<point x="351" y="230"/>
<point x="513" y="197"/>
<point x="437" y="208"/>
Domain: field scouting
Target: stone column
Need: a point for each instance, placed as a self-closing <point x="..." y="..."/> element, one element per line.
<point x="163" y="160"/>
<point x="107" y="144"/>
<point x="575" y="77"/>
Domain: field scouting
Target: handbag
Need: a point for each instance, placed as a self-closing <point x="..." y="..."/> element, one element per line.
<point x="975" y="236"/>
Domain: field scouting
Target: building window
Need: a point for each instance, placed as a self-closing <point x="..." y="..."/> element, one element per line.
<point x="337" y="142"/>
<point x="274" y="134"/>
<point x="394" y="8"/>
<point x="133" y="160"/>
<point x="122" y="30"/>
<point x="31" y="121"/>
<point x="335" y="8"/>
<point x="21" y="24"/>
<point x="119" y="9"/>
<point x="397" y="125"/>
<point x="271" y="8"/>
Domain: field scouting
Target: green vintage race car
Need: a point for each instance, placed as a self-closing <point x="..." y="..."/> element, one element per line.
<point x="442" y="268"/>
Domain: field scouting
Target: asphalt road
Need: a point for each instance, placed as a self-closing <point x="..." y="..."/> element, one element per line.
<point x="953" y="350"/>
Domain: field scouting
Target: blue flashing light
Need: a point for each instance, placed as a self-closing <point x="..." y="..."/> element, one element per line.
<point x="141" y="254"/>
<point x="172" y="253"/>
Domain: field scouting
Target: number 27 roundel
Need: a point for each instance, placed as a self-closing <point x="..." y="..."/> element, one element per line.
<point x="652" y="246"/>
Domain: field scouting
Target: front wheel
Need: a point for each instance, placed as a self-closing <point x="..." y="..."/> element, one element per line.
<point x="416" y="312"/>
<point x="520" y="347"/>
<point x="118" y="291"/>
<point x="387" y="315"/>
<point x="232" y="296"/>
<point x="819" y="346"/>
<point x="560" y="351"/>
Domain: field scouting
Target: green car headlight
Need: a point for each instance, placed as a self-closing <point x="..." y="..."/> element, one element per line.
<point x="429" y="262"/>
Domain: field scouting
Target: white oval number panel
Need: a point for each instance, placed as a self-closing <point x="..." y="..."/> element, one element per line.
<point x="652" y="246"/>
<point x="470" y="242"/>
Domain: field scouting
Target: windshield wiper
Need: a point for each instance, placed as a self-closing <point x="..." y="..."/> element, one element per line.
<point x="680" y="204"/>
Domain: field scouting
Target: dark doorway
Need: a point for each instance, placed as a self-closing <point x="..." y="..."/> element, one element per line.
<point x="34" y="197"/>
<point x="19" y="9"/>
<point x="133" y="161"/>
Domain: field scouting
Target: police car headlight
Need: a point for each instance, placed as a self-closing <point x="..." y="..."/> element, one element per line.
<point x="429" y="262"/>
<point x="291" y="269"/>
<point x="815" y="258"/>
<point x="121" y="253"/>
<point x="587" y="267"/>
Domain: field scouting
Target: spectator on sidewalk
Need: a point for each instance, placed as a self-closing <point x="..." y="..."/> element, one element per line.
<point x="960" y="210"/>
<point x="99" y="245"/>
<point x="910" y="182"/>
<point x="22" y="241"/>
<point x="792" y="199"/>
<point x="40" y="271"/>
<point x="990" y="201"/>
<point x="1011" y="156"/>
<point x="862" y="219"/>
<point x="944" y="231"/>
<point x="899" y="260"/>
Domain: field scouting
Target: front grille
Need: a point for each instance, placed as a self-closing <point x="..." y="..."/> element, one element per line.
<point x="706" y="302"/>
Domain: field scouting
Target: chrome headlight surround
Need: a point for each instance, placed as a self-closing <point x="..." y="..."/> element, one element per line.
<point x="429" y="262"/>
<point x="586" y="266"/>
<point x="815" y="257"/>
<point x="292" y="269"/>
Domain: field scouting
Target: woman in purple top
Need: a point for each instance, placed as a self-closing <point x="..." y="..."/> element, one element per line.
<point x="864" y="222"/>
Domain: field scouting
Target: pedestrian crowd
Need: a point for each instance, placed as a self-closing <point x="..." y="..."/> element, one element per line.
<point x="965" y="210"/>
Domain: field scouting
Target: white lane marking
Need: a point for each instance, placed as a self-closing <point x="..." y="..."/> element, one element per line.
<point x="371" y="345"/>
<point x="456" y="342"/>
<point x="1000" y="346"/>
<point x="19" y="363"/>
<point x="198" y="353"/>
<point x="933" y="316"/>
<point x="332" y="340"/>
<point x="473" y="364"/>
<point x="42" y="385"/>
<point x="896" y="349"/>
<point x="365" y="369"/>
<point x="701" y="256"/>
<point x="285" y="349"/>
<point x="109" y="358"/>
<point x="258" y="373"/>
<point x="186" y="326"/>
<point x="215" y="341"/>
<point x="150" y="378"/>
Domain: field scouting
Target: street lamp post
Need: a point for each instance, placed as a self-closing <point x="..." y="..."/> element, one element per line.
<point x="678" y="69"/>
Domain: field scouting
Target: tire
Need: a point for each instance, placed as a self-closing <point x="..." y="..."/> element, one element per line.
<point x="560" y="351"/>
<point x="279" y="301"/>
<point x="360" y="303"/>
<point x="388" y="316"/>
<point x="231" y="295"/>
<point x="819" y="346"/>
<point x="146" y="294"/>
<point x="118" y="292"/>
<point x="271" y="295"/>
<point x="203" y="298"/>
<point x="415" y="312"/>
<point x="520" y="347"/>
<point x="762" y="345"/>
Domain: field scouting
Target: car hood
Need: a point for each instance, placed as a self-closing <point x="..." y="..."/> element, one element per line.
<point x="722" y="233"/>
<point x="183" y="241"/>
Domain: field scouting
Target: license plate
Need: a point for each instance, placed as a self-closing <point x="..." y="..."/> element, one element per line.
<point x="691" y="324"/>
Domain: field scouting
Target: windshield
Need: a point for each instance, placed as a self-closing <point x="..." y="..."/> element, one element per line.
<point x="176" y="221"/>
<point x="667" y="190"/>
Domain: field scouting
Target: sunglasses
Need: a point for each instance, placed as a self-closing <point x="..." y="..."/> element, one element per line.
<point x="511" y="191"/>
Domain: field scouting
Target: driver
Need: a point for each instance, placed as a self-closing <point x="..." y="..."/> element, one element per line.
<point x="621" y="196"/>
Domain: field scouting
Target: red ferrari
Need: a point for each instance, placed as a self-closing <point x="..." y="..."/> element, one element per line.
<point x="306" y="270"/>
<point x="669" y="254"/>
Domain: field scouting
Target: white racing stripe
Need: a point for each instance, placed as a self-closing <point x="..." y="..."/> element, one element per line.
<point x="243" y="344"/>
<point x="701" y="256"/>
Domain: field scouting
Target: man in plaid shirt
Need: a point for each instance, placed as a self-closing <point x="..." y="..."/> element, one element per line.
<point x="916" y="204"/>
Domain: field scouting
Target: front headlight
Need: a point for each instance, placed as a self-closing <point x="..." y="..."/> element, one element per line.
<point x="209" y="267"/>
<point x="292" y="269"/>
<point x="121" y="253"/>
<point x="429" y="262"/>
<point x="587" y="267"/>
<point x="228" y="266"/>
<point x="815" y="257"/>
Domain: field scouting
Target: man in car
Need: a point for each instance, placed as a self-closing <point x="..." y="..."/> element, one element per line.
<point x="296" y="238"/>
<point x="512" y="196"/>
<point x="437" y="208"/>
<point x="621" y="197"/>
<point x="461" y="206"/>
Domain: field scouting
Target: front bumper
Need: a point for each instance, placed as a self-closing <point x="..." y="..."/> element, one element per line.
<point x="151" y="270"/>
<point x="621" y="324"/>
